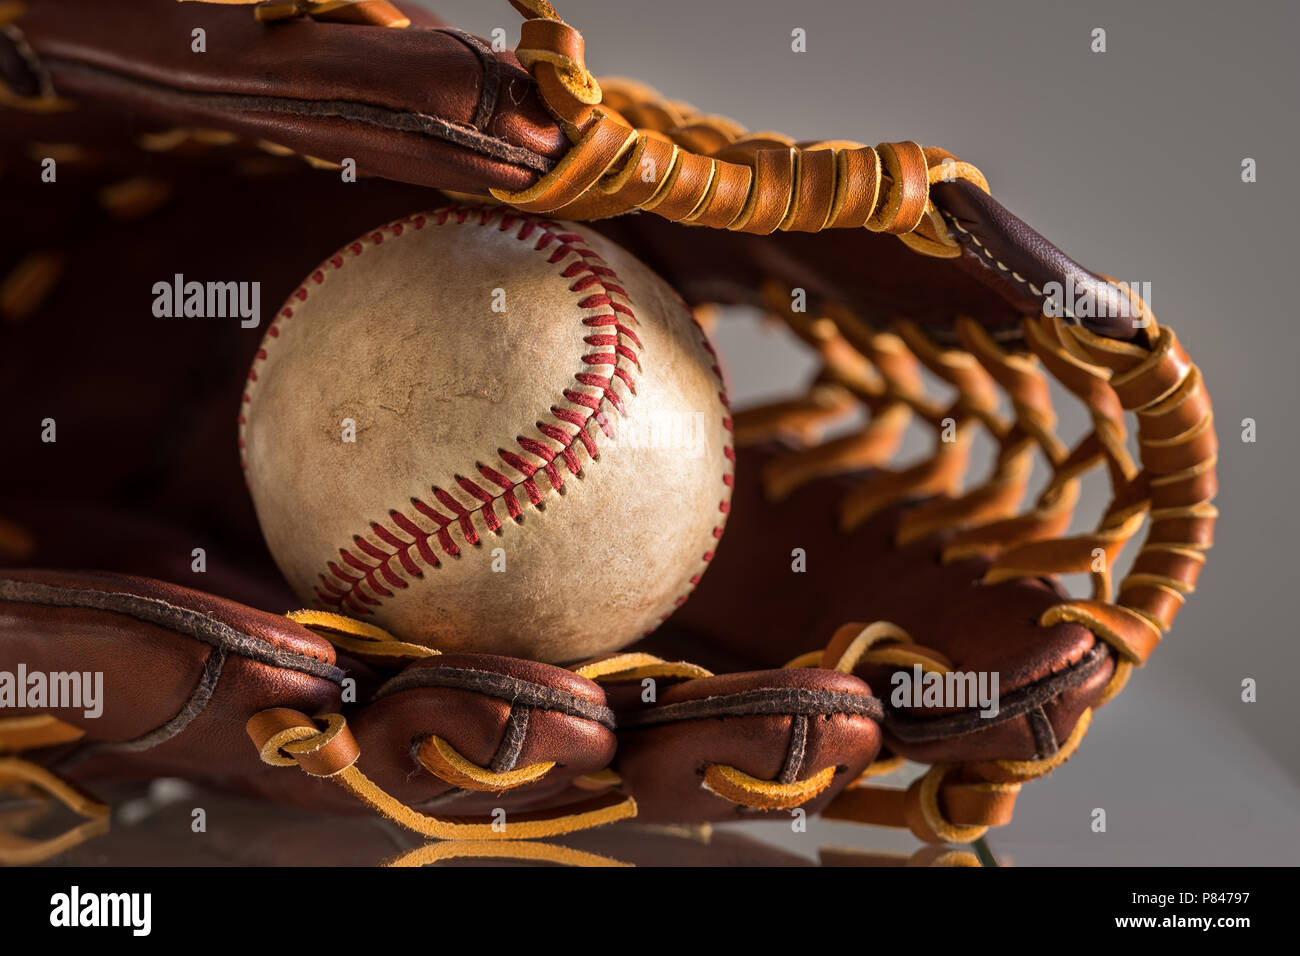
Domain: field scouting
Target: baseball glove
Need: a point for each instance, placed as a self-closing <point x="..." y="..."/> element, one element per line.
<point x="128" y="157"/>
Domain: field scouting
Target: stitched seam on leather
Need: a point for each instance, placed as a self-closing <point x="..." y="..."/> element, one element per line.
<point x="797" y="752"/>
<point x="783" y="702"/>
<point x="501" y="686"/>
<point x="354" y="585"/>
<point x="489" y="83"/>
<point x="1045" y="743"/>
<point x="986" y="256"/>
<point x="194" y="705"/>
<point x="155" y="611"/>
<point x="512" y="741"/>
<point x="382" y="117"/>
<point x="913" y="730"/>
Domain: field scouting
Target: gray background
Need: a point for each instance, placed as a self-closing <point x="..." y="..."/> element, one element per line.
<point x="1129" y="160"/>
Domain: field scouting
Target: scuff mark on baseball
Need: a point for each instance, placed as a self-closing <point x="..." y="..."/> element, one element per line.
<point x="552" y="478"/>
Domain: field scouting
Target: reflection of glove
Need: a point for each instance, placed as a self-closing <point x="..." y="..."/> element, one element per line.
<point x="171" y="163"/>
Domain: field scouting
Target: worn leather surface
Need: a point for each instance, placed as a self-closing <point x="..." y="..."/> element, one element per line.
<point x="184" y="672"/>
<point x="1016" y="261"/>
<point x="297" y="85"/>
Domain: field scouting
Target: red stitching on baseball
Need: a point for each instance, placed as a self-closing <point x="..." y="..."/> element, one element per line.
<point x="343" y="589"/>
<point x="341" y="585"/>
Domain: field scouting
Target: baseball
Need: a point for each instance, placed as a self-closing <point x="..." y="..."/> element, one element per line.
<point x="489" y="432"/>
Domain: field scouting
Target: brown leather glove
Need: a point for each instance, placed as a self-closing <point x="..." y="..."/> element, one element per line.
<point x="885" y="261"/>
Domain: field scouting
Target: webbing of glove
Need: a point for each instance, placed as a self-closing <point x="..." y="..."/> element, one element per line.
<point x="1172" y="484"/>
<point x="286" y="737"/>
<point x="1177" y="448"/>
<point x="703" y="170"/>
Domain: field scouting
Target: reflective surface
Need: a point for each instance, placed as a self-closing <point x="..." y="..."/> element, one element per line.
<point x="172" y="823"/>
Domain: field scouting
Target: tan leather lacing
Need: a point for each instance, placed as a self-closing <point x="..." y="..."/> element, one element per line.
<point x="368" y="642"/>
<point x="634" y="150"/>
<point x="286" y="737"/>
<point x="635" y="665"/>
<point x="882" y="644"/>
<point x="757" y="794"/>
<point x="631" y="149"/>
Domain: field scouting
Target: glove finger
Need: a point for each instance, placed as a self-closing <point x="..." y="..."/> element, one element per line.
<point x="165" y="677"/>
<point x="473" y="119"/>
<point x="738" y="746"/>
<point x="468" y="733"/>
